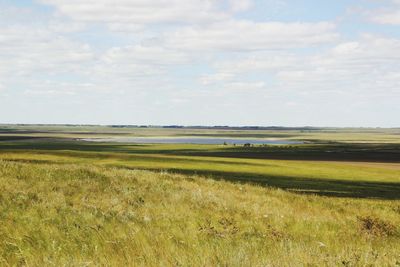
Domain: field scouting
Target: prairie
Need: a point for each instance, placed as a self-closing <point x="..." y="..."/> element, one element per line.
<point x="68" y="202"/>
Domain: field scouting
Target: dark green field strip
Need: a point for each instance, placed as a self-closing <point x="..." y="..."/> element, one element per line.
<point x="7" y="138"/>
<point x="389" y="153"/>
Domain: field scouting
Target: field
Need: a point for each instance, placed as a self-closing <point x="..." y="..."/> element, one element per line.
<point x="332" y="201"/>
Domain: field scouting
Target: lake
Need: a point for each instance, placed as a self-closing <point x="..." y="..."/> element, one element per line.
<point x="193" y="140"/>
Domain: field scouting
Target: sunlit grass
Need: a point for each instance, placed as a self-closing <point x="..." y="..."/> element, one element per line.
<point x="81" y="214"/>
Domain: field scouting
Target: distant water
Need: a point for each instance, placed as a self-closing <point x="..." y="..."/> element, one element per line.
<point x="190" y="140"/>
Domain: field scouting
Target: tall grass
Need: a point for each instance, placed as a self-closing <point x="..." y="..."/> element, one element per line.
<point x="86" y="215"/>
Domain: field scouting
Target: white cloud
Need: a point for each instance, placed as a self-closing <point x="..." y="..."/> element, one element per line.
<point x="215" y="78"/>
<point x="234" y="35"/>
<point x="244" y="86"/>
<point x="369" y="66"/>
<point x="136" y="66"/>
<point x="140" y="11"/>
<point x="387" y="15"/>
<point x="27" y="50"/>
<point x="258" y="62"/>
<point x="364" y="66"/>
<point x="241" y="5"/>
<point x="147" y="55"/>
<point x="65" y="27"/>
<point x="173" y="57"/>
<point x="33" y="58"/>
<point x="211" y="23"/>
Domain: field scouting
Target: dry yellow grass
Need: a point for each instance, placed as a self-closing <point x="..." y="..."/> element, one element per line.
<point x="86" y="215"/>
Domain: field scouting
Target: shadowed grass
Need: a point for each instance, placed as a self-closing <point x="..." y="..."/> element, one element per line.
<point x="322" y="152"/>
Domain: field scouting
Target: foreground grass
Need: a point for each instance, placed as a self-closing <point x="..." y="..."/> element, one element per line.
<point x="83" y="215"/>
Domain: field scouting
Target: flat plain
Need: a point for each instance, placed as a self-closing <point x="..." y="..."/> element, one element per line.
<point x="332" y="201"/>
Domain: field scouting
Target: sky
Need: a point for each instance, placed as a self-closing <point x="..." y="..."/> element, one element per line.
<point x="201" y="62"/>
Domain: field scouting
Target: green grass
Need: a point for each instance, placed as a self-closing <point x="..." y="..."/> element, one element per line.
<point x="82" y="215"/>
<point x="328" y="177"/>
<point x="65" y="202"/>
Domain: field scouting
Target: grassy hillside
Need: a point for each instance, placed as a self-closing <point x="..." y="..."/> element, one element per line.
<point x="78" y="214"/>
<point x="355" y="178"/>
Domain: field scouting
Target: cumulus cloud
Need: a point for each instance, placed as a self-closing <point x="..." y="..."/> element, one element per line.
<point x="141" y="11"/>
<point x="240" y="5"/>
<point x="150" y="54"/>
<point x="257" y="62"/>
<point x="141" y="54"/>
<point x="368" y="65"/>
<point x="247" y="35"/>
<point x="364" y="66"/>
<point x="27" y="50"/>
<point x="209" y="79"/>
<point x="387" y="15"/>
<point x="246" y="87"/>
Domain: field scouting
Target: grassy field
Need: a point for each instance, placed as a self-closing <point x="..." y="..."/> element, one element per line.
<point x="347" y="135"/>
<point x="324" y="203"/>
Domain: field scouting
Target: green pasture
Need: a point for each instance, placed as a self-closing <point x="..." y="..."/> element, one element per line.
<point x="327" y="176"/>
